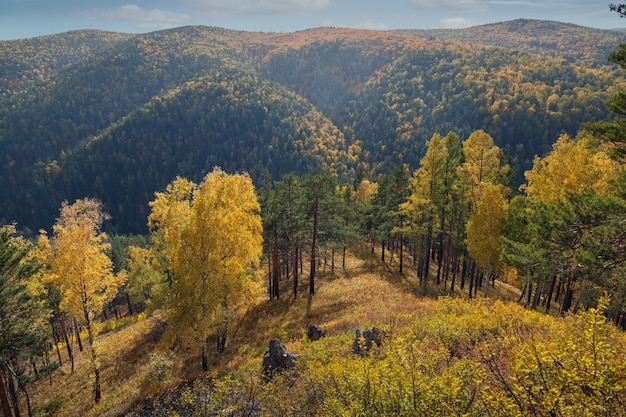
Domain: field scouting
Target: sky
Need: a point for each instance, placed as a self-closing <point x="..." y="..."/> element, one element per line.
<point x="30" y="18"/>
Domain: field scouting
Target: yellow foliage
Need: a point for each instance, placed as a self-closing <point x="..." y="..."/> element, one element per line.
<point x="484" y="227"/>
<point x="464" y="358"/>
<point x="79" y="264"/>
<point x="572" y="165"/>
<point x="213" y="244"/>
<point x="81" y="268"/>
<point x="482" y="164"/>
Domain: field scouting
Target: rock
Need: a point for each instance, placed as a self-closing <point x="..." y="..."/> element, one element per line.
<point x="364" y="340"/>
<point x="277" y="359"/>
<point x="314" y="332"/>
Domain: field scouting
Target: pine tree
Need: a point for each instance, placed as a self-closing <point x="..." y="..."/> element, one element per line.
<point x="23" y="309"/>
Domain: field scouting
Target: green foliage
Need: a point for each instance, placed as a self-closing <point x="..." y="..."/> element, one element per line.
<point x="524" y="101"/>
<point x="118" y="116"/>
<point x="52" y="406"/>
<point x="49" y="368"/>
<point x="23" y="309"/>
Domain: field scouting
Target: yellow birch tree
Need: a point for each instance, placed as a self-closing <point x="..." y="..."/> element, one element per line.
<point x="481" y="174"/>
<point x="213" y="246"/>
<point x="484" y="229"/>
<point x="81" y="268"/>
<point x="572" y="165"/>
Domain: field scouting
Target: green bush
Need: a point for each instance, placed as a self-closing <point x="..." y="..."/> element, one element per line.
<point x="52" y="406"/>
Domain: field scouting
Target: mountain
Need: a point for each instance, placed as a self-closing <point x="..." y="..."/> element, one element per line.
<point x="572" y="42"/>
<point x="118" y="116"/>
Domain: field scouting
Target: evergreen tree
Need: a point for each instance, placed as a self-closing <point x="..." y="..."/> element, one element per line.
<point x="319" y="206"/>
<point x="23" y="310"/>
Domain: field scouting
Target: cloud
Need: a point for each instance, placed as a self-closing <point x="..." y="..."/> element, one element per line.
<point x="141" y="18"/>
<point x="456" y="23"/>
<point x="471" y="6"/>
<point x="266" y="7"/>
<point x="517" y="3"/>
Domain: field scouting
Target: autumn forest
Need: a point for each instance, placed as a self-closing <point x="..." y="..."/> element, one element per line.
<point x="173" y="201"/>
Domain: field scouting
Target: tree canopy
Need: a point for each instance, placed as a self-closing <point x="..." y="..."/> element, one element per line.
<point x="212" y="234"/>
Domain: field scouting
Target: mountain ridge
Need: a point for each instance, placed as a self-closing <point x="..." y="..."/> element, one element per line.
<point x="358" y="98"/>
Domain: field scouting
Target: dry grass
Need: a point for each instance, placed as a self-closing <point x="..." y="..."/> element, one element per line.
<point x="123" y="355"/>
<point x="367" y="293"/>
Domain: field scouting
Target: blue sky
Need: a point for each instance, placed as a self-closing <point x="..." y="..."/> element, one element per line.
<point x="28" y="18"/>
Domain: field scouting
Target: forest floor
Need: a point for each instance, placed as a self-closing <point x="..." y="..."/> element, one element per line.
<point x="368" y="292"/>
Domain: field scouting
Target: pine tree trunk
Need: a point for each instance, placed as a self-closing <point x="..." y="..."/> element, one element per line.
<point x="276" y="271"/>
<point x="401" y="252"/>
<point x="313" y="252"/>
<point x="580" y="297"/>
<point x="129" y="304"/>
<point x="4" y="395"/>
<point x="464" y="272"/>
<point x="34" y="365"/>
<point x="455" y="266"/>
<point x="15" y="371"/>
<point x="537" y="295"/>
<point x="550" y="291"/>
<point x="559" y="287"/>
<point x="294" y="259"/>
<point x="528" y="288"/>
<point x="22" y="387"/>
<point x="439" y="258"/>
<point x="13" y="392"/>
<point x="472" y="276"/>
<point x="478" y="280"/>
<point x="567" y="298"/>
<point x="429" y="242"/>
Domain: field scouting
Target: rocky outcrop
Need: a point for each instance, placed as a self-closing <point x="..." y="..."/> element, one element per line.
<point x="365" y="340"/>
<point x="314" y="332"/>
<point x="277" y="359"/>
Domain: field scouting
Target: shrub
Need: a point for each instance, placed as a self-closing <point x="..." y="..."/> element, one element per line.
<point x="51" y="407"/>
<point x="160" y="368"/>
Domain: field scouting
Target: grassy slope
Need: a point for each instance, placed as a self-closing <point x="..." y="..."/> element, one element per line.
<point x="367" y="293"/>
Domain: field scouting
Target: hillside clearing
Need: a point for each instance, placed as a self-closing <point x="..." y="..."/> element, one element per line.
<point x="367" y="293"/>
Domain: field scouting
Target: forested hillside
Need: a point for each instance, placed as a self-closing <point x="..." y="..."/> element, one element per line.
<point x="297" y="203"/>
<point x="29" y="63"/>
<point x="575" y="43"/>
<point x="117" y="116"/>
